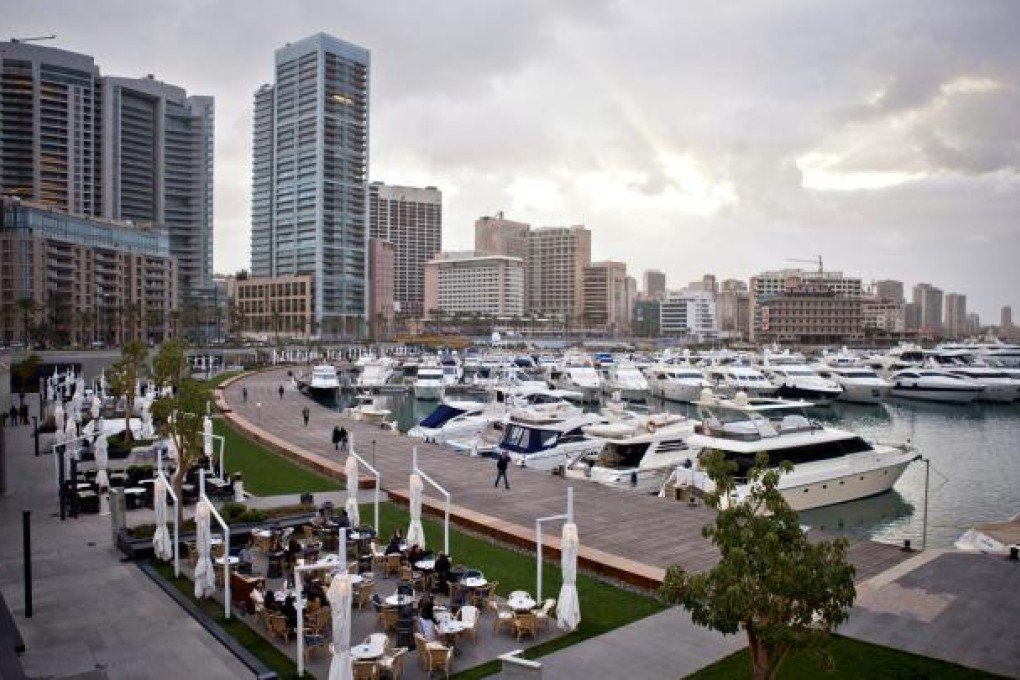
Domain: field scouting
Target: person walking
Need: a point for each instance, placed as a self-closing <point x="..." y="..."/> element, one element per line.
<point x="501" y="465"/>
<point x="336" y="437"/>
<point x="343" y="439"/>
<point x="305" y="413"/>
<point x="281" y="391"/>
<point x="244" y="394"/>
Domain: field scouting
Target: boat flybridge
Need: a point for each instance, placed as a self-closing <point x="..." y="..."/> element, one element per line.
<point x="638" y="453"/>
<point x="794" y="379"/>
<point x="676" y="382"/>
<point x="830" y="465"/>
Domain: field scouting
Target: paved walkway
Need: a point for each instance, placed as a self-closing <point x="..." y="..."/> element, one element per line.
<point x="93" y="613"/>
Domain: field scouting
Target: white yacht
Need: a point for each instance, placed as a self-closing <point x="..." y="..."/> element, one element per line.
<point x="676" y="382"/>
<point x="794" y="379"/>
<point x="861" y="384"/>
<point x="322" y="379"/>
<point x="626" y="380"/>
<point x="637" y="454"/>
<point x="453" y="372"/>
<point x="1001" y="385"/>
<point x="486" y="377"/>
<point x="931" y="384"/>
<point x="579" y="376"/>
<point x="730" y="378"/>
<point x="375" y="373"/>
<point x="830" y="466"/>
<point x="904" y="355"/>
<point x="452" y="419"/>
<point x="549" y="445"/>
<point x="366" y="410"/>
<point x="429" y="384"/>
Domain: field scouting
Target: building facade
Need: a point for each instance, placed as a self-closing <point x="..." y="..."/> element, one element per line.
<point x="463" y="283"/>
<point x="605" y="297"/>
<point x="767" y="286"/>
<point x="645" y="322"/>
<point x="78" y="280"/>
<point x="500" y="236"/>
<point x="881" y="315"/>
<point x="655" y="284"/>
<point x="381" y="305"/>
<point x="888" y="290"/>
<point x="131" y="149"/>
<point x="310" y="178"/>
<point x="689" y="314"/>
<point x="928" y="299"/>
<point x="955" y="322"/>
<point x="412" y="220"/>
<point x="809" y="313"/>
<point x="556" y="260"/>
<point x="274" y="307"/>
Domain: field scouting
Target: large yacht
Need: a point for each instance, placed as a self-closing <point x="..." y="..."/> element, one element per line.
<point x="933" y="384"/>
<point x="1001" y="385"/>
<point x="578" y="376"/>
<point x="549" y="445"/>
<point x="323" y="379"/>
<point x="637" y="454"/>
<point x="829" y="465"/>
<point x="730" y="378"/>
<point x="794" y="379"/>
<point x="428" y="384"/>
<point x="626" y="380"/>
<point x="375" y="373"/>
<point x="675" y="382"/>
<point x="861" y="384"/>
<point x="452" y="419"/>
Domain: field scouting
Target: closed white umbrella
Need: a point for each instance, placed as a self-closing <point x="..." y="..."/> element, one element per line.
<point x="205" y="578"/>
<point x="340" y="597"/>
<point x="102" y="459"/>
<point x="568" y="608"/>
<point x="415" y="533"/>
<point x="161" y="543"/>
<point x="58" y="416"/>
<point x="352" y="491"/>
<point x="96" y="403"/>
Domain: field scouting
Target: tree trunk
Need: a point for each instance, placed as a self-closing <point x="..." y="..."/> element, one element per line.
<point x="177" y="482"/>
<point x="760" y="667"/>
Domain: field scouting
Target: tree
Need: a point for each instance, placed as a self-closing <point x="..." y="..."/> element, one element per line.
<point x="124" y="375"/>
<point x="782" y="590"/>
<point x="180" y="419"/>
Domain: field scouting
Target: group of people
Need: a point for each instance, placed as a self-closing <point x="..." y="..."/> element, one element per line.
<point x="17" y="415"/>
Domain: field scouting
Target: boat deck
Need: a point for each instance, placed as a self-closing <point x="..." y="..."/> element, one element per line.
<point x="626" y="536"/>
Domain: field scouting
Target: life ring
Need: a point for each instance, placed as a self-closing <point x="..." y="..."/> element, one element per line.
<point x="650" y="426"/>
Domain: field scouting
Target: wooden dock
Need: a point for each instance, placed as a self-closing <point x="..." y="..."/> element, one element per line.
<point x="626" y="536"/>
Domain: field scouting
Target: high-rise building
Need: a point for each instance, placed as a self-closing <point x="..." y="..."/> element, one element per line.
<point x="131" y="149"/>
<point x="1006" y="317"/>
<point x="973" y="323"/>
<point x="731" y="310"/>
<point x="888" y="290"/>
<point x="412" y="220"/>
<point x="382" y="307"/>
<point x="655" y="284"/>
<point x="688" y="313"/>
<point x="645" y="323"/>
<point x="484" y="284"/>
<point x="555" y="264"/>
<point x="707" y="284"/>
<point x="928" y="299"/>
<point x="500" y="236"/>
<point x="956" y="315"/>
<point x="310" y="178"/>
<point x="769" y="285"/>
<point x="605" y="297"/>
<point x="911" y="317"/>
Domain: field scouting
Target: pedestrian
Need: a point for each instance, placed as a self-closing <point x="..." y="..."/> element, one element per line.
<point x="305" y="413"/>
<point x="281" y="391"/>
<point x="336" y="437"/>
<point x="244" y="394"/>
<point x="14" y="415"/>
<point x="343" y="439"/>
<point x="501" y="465"/>
<point x="24" y="414"/>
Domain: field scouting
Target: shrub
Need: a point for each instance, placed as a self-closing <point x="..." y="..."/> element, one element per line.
<point x="253" y="516"/>
<point x="232" y="512"/>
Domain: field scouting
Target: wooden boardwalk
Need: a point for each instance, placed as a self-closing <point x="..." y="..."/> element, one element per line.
<point x="626" y="536"/>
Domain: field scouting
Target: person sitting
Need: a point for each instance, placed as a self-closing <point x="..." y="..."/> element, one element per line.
<point x="290" y="612"/>
<point x="343" y="521"/>
<point x="394" y="546"/>
<point x="443" y="573"/>
<point x="415" y="554"/>
<point x="269" y="601"/>
<point x="258" y="596"/>
<point x="427" y="620"/>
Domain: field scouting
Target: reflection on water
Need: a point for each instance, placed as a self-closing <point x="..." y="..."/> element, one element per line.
<point x="972" y="449"/>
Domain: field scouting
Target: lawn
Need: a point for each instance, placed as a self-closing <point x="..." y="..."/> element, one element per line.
<point x="853" y="659"/>
<point x="217" y="380"/>
<point x="267" y="473"/>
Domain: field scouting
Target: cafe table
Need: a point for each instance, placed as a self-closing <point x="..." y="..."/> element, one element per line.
<point x="397" y="600"/>
<point x="367" y="651"/>
<point x="521" y="603"/>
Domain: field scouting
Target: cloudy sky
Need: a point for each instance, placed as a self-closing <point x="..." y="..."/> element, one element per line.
<point x="689" y="136"/>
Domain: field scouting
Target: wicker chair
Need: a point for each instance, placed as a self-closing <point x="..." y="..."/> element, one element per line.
<point x="314" y="642"/>
<point x="365" y="670"/>
<point x="278" y="627"/>
<point x="525" y="623"/>
<point x="365" y="594"/>
<point x="504" y="616"/>
<point x="545" y="614"/>
<point x="393" y="663"/>
<point x="388" y="617"/>
<point x="393" y="563"/>
<point x="470" y="615"/>
<point x="438" y="657"/>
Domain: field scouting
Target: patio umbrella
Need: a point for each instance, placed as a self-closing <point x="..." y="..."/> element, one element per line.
<point x="339" y="595"/>
<point x="415" y="534"/>
<point x="352" y="491"/>
<point x="71" y="432"/>
<point x="161" y="543"/>
<point x="568" y="608"/>
<point x="96" y="403"/>
<point x="58" y="416"/>
<point x="102" y="459"/>
<point x="205" y="578"/>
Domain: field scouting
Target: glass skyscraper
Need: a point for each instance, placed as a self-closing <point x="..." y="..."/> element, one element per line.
<point x="310" y="178"/>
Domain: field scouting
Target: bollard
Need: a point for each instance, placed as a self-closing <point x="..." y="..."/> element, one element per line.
<point x="1014" y="553"/>
<point x="906" y="545"/>
<point x="35" y="434"/>
<point x="26" y="524"/>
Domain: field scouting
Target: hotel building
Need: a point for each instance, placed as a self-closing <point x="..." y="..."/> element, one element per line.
<point x="468" y="283"/>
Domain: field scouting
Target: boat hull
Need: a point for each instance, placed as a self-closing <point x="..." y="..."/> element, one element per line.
<point x="844" y="488"/>
<point x="945" y="396"/>
<point x="863" y="394"/>
<point x="816" y="397"/>
<point x="677" y="392"/>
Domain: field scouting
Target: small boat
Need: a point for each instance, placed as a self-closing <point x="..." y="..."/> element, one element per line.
<point x="996" y="538"/>
<point x="367" y="411"/>
<point x="451" y="419"/>
<point x="549" y="445"/>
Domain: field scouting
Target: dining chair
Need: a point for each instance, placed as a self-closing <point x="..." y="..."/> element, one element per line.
<point x="365" y="670"/>
<point x="525" y="623"/>
<point x="314" y="642"/>
<point x="504" y="616"/>
<point x="393" y="663"/>
<point x="365" y="594"/>
<point x="469" y="615"/>
<point x="545" y="614"/>
<point x="439" y="658"/>
<point x="393" y="563"/>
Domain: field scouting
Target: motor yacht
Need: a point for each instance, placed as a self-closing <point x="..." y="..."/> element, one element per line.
<point x="626" y="380"/>
<point x="996" y="538"/>
<point x="676" y="382"/>
<point x="794" y="379"/>
<point x="453" y="372"/>
<point x="322" y="379"/>
<point x="931" y="384"/>
<point x="429" y="384"/>
<point x="375" y="373"/>
<point x="577" y="375"/>
<point x="730" y="378"/>
<point x="1000" y="385"/>
<point x="637" y="453"/>
<point x="861" y="384"/>
<point x="366" y="410"/>
<point x="549" y="445"/>
<point x="451" y="419"/>
<point x="829" y="465"/>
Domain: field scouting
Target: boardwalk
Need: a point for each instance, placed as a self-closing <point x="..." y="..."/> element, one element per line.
<point x="627" y="536"/>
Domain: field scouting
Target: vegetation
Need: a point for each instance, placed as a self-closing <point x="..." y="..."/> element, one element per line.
<point x="851" y="659"/>
<point x="217" y="380"/>
<point x="783" y="591"/>
<point x="267" y="473"/>
<point x="124" y="376"/>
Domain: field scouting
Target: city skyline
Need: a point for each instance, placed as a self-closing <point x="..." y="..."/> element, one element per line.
<point x="879" y="137"/>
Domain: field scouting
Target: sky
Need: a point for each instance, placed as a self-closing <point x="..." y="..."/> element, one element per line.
<point x="690" y="136"/>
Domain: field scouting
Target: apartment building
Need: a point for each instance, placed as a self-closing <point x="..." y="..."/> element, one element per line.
<point x="605" y="298"/>
<point x="688" y="313"/>
<point x="479" y="284"/>
<point x="556" y="260"/>
<point x="769" y="285"/>
<point x="275" y="307"/>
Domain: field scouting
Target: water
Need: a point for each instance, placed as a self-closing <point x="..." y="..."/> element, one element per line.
<point x="973" y="453"/>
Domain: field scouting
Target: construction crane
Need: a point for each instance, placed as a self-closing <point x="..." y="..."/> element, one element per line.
<point x="33" y="39"/>
<point x="817" y="261"/>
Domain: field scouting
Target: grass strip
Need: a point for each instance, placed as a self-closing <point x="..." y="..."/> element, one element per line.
<point x="265" y="472"/>
<point x="220" y="378"/>
<point x="852" y="659"/>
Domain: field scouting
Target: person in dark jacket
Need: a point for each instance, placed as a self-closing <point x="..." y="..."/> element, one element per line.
<point x="501" y="465"/>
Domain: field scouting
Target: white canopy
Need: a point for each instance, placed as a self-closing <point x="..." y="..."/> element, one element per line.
<point x="102" y="459"/>
<point x="161" y="543"/>
<point x="415" y="533"/>
<point x="352" y="491"/>
<point x="568" y="608"/>
<point x="205" y="578"/>
<point x="340" y="597"/>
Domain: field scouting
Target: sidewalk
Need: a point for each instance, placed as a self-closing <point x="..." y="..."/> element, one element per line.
<point x="93" y="613"/>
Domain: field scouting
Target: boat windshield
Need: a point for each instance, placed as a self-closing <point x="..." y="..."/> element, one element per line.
<point x="622" y="455"/>
<point x="441" y="415"/>
<point x="520" y="439"/>
<point x="799" y="455"/>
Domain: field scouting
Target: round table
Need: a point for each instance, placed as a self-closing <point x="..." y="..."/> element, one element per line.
<point x="521" y="604"/>
<point x="367" y="651"/>
<point x="474" y="582"/>
<point x="425" y="565"/>
<point x="231" y="560"/>
<point x="399" y="600"/>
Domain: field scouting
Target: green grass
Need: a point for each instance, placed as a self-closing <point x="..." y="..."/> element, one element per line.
<point x="235" y="627"/>
<point x="267" y="473"/>
<point x="852" y="659"/>
<point x="603" y="607"/>
<point x="218" y="380"/>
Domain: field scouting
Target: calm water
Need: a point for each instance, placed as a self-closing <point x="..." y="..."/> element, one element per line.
<point x="974" y="453"/>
